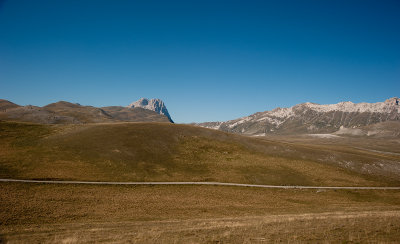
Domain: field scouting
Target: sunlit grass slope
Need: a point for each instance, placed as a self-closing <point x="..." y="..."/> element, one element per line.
<point x="160" y="152"/>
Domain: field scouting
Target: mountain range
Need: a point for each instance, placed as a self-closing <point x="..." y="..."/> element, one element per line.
<point x="72" y="113"/>
<point x="312" y="118"/>
<point x="306" y="118"/>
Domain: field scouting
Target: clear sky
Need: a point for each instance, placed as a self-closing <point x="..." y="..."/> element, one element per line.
<point x="208" y="60"/>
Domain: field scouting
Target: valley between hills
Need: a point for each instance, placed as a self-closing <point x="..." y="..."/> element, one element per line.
<point x="71" y="142"/>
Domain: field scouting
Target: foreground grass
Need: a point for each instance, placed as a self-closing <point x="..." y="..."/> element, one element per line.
<point x="194" y="214"/>
<point x="168" y="152"/>
<point x="39" y="213"/>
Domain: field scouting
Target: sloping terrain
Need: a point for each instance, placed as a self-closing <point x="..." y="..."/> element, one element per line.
<point x="71" y="113"/>
<point x="83" y="114"/>
<point x="311" y="118"/>
<point x="168" y="152"/>
<point x="134" y="114"/>
<point x="5" y="105"/>
<point x="35" y="114"/>
<point x="387" y="129"/>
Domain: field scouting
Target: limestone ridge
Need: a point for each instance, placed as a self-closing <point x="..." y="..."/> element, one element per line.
<point x="312" y="118"/>
<point x="155" y="104"/>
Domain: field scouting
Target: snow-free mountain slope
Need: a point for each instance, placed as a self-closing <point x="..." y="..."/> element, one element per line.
<point x="5" y="105"/>
<point x="134" y="114"/>
<point x="312" y="118"/>
<point x="72" y="113"/>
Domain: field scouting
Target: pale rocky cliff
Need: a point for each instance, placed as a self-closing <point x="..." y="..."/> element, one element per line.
<point x="156" y="105"/>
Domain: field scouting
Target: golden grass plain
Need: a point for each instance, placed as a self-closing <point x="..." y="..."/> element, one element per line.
<point x="36" y="213"/>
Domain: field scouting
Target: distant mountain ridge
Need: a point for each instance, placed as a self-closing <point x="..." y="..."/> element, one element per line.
<point x="311" y="118"/>
<point x="155" y="104"/>
<point x="72" y="113"/>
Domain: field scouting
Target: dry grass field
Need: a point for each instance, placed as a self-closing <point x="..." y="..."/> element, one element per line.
<point x="36" y="213"/>
<point x="47" y="213"/>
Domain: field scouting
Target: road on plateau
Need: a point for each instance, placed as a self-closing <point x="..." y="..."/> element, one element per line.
<point x="202" y="183"/>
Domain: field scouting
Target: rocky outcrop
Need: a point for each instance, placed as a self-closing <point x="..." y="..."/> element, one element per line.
<point x="156" y="105"/>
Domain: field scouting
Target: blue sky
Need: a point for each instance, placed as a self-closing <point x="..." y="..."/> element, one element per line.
<point x="208" y="60"/>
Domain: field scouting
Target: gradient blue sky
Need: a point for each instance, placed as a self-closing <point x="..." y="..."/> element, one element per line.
<point x="208" y="60"/>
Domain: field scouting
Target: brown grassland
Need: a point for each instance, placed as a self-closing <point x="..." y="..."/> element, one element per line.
<point x="168" y="152"/>
<point x="40" y="213"/>
<point x="194" y="214"/>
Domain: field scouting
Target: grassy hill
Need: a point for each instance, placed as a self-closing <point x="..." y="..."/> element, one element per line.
<point x="170" y="152"/>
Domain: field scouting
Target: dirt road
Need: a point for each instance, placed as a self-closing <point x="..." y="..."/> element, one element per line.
<point x="201" y="183"/>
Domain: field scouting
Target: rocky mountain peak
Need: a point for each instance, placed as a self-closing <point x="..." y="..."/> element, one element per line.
<point x="155" y="104"/>
<point x="141" y="102"/>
